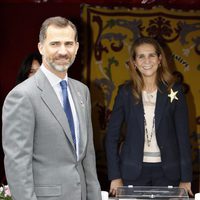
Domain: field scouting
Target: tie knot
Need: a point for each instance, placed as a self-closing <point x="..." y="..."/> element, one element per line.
<point x="63" y="84"/>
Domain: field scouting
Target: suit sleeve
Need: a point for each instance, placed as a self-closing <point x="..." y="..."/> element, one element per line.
<point x="89" y="162"/>
<point x="17" y="137"/>
<point x="113" y="135"/>
<point x="182" y="130"/>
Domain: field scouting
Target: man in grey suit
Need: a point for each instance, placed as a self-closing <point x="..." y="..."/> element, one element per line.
<point x="42" y="159"/>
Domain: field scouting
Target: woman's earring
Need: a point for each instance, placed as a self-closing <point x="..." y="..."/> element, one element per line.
<point x="135" y="66"/>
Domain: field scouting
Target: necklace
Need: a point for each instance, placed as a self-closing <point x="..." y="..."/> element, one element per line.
<point x="149" y="136"/>
<point x="149" y="98"/>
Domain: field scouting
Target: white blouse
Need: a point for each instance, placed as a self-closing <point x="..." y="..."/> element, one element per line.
<point x="151" y="149"/>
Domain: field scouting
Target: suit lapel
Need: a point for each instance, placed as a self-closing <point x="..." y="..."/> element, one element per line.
<point x="140" y="115"/>
<point x="138" y="110"/>
<point x="80" y="104"/>
<point x="51" y="100"/>
<point x="160" y="105"/>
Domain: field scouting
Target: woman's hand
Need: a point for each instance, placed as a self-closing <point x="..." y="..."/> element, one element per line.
<point x="187" y="187"/>
<point x="114" y="185"/>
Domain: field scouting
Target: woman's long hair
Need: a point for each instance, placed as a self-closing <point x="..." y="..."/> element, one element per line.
<point x="26" y="65"/>
<point x="164" y="74"/>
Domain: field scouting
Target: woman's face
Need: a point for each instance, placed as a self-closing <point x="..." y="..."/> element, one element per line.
<point x="147" y="60"/>
<point x="35" y="66"/>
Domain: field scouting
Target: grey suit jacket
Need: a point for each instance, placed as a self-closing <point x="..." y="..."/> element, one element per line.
<point x="40" y="158"/>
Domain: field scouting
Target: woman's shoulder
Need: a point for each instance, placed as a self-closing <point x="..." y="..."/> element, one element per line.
<point x="126" y="86"/>
<point x="178" y="86"/>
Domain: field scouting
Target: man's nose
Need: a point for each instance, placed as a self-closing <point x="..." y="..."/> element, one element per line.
<point x="62" y="50"/>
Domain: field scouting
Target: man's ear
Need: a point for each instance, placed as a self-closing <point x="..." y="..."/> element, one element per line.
<point x="40" y="48"/>
<point x="77" y="47"/>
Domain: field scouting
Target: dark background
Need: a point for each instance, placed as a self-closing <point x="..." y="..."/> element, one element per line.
<point x="20" y="21"/>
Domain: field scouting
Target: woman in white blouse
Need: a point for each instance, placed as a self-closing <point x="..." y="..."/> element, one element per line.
<point x="152" y="106"/>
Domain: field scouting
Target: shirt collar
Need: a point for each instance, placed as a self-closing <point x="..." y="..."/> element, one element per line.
<point x="53" y="79"/>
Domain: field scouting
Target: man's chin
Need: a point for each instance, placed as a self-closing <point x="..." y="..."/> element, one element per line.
<point x="61" y="68"/>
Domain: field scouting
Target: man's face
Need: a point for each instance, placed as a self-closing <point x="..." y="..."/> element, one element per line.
<point x="59" y="48"/>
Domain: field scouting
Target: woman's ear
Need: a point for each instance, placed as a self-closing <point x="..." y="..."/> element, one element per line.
<point x="132" y="63"/>
<point x="160" y="58"/>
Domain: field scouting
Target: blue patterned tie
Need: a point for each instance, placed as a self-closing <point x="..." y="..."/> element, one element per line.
<point x="67" y="109"/>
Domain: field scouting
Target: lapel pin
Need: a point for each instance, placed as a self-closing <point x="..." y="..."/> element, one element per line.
<point x="79" y="94"/>
<point x="82" y="104"/>
<point x="172" y="95"/>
